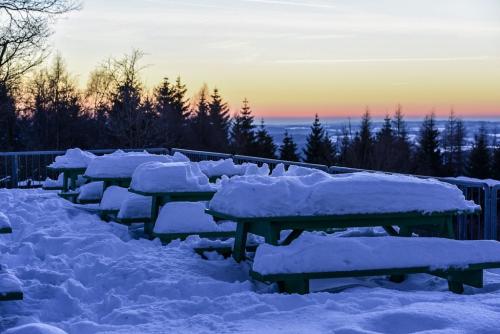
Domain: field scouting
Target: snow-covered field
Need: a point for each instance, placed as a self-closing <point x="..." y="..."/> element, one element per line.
<point x="86" y="276"/>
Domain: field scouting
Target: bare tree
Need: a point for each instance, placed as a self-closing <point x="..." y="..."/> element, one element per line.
<point x="24" y="29"/>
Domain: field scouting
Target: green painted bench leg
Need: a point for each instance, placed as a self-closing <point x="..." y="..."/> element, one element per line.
<point x="300" y="286"/>
<point x="291" y="237"/>
<point x="240" y="242"/>
<point x="404" y="231"/>
<point x="272" y="235"/>
<point x="65" y="182"/>
<point x="390" y="230"/>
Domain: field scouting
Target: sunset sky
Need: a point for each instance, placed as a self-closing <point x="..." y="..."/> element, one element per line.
<point x="293" y="58"/>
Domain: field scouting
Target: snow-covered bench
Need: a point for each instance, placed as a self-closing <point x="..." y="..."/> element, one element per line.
<point x="5" y="227"/>
<point x="10" y="286"/>
<point x="319" y="257"/>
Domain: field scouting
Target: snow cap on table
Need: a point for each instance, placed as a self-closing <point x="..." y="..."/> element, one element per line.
<point x="50" y="183"/>
<point x="113" y="198"/>
<point x="253" y="169"/>
<point x="135" y="206"/>
<point x="320" y="193"/>
<point x="187" y="217"/>
<point x="73" y="158"/>
<point x="170" y="177"/>
<point x="122" y="164"/>
<point x="292" y="170"/>
<point x="220" y="167"/>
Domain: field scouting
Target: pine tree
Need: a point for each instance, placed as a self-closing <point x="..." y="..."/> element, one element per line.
<point x="402" y="147"/>
<point x="453" y="139"/>
<point x="428" y="155"/>
<point x="345" y="149"/>
<point x="200" y="123"/>
<point x="384" y="147"/>
<point x="479" y="157"/>
<point x="242" y="136"/>
<point x="264" y="145"/>
<point x="219" y="121"/>
<point x="363" y="144"/>
<point x="319" y="149"/>
<point x="173" y="111"/>
<point x="288" y="149"/>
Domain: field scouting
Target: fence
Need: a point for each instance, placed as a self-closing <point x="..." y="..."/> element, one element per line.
<point x="29" y="169"/>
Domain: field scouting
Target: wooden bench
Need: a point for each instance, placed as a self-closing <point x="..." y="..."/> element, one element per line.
<point x="70" y="176"/>
<point x="271" y="227"/>
<point x="459" y="262"/>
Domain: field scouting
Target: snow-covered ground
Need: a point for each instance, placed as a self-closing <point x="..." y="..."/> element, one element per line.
<point x="85" y="276"/>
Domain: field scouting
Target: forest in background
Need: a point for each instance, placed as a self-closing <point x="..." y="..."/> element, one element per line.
<point x="42" y="108"/>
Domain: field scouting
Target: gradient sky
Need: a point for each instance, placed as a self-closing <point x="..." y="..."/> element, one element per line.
<point x="297" y="57"/>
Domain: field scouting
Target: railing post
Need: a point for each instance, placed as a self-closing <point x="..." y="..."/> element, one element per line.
<point x="487" y="233"/>
<point x="15" y="171"/>
<point x="494" y="211"/>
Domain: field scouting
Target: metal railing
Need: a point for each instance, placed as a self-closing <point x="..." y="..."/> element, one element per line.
<point x="29" y="169"/>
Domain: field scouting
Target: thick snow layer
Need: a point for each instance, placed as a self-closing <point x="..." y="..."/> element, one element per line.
<point x="293" y="170"/>
<point x="253" y="169"/>
<point x="186" y="217"/>
<point x="113" y="198"/>
<point x="221" y="167"/>
<point x="135" y="206"/>
<point x="316" y="253"/>
<point x="121" y="164"/>
<point x="320" y="193"/>
<point x="73" y="158"/>
<point x="84" y="276"/>
<point x="50" y="183"/>
<point x="4" y="221"/>
<point x="35" y="328"/>
<point x="170" y="177"/>
<point x="91" y="191"/>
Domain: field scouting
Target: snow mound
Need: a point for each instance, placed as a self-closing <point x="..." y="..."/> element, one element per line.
<point x="135" y="206"/>
<point x="221" y="167"/>
<point x="113" y="198"/>
<point x="293" y="170"/>
<point x="322" y="194"/>
<point x="91" y="191"/>
<point x="253" y="169"/>
<point x="187" y="217"/>
<point x="50" y="183"/>
<point x="73" y="158"/>
<point x="315" y="253"/>
<point x="35" y="328"/>
<point x="121" y="164"/>
<point x="170" y="177"/>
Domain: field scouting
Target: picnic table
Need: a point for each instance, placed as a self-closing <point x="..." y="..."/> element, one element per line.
<point x="271" y="227"/>
<point x="161" y="198"/>
<point x="441" y="224"/>
<point x="70" y="176"/>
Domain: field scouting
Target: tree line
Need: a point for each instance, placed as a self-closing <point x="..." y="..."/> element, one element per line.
<point x="48" y="111"/>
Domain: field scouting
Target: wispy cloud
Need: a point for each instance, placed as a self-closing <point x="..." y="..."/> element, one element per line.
<point x="309" y="4"/>
<point x="381" y="60"/>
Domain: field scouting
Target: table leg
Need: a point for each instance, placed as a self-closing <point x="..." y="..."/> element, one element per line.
<point x="272" y="235"/>
<point x="240" y="242"/>
<point x="155" y="208"/>
<point x="73" y="181"/>
<point x="291" y="237"/>
<point x="65" y="181"/>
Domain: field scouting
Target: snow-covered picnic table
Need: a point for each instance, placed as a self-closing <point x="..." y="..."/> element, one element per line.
<point x="266" y="206"/>
<point x="71" y="165"/>
<point x="170" y="182"/>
